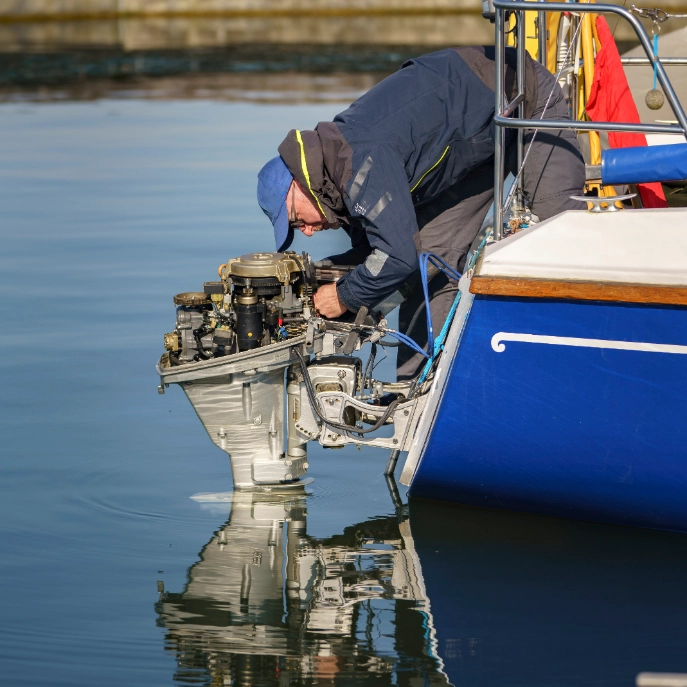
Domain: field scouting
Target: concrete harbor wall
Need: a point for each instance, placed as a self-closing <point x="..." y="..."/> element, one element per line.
<point x="30" y="10"/>
<point x="23" y="9"/>
<point x="174" y="32"/>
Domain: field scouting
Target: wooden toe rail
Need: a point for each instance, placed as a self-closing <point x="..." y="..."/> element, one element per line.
<point x="579" y="290"/>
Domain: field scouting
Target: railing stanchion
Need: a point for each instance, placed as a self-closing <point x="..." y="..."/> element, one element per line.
<point x="499" y="133"/>
<point x="541" y="36"/>
<point x="521" y="89"/>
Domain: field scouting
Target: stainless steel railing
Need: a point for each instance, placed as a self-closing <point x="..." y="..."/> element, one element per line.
<point x="503" y="109"/>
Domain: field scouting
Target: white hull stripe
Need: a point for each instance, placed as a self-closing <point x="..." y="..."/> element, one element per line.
<point x="499" y="347"/>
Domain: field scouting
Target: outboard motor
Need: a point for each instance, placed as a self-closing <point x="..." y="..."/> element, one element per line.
<point x="266" y="374"/>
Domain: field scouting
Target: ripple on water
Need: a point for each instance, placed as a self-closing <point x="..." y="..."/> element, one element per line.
<point x="117" y="511"/>
<point x="334" y="493"/>
<point x="108" y="499"/>
<point x="56" y="662"/>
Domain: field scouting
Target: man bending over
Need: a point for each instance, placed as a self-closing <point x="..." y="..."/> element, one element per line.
<point x="409" y="168"/>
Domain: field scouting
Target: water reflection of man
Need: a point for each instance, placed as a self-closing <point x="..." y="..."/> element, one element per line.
<point x="409" y="167"/>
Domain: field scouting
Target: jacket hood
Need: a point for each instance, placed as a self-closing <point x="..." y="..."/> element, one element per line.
<point x="320" y="161"/>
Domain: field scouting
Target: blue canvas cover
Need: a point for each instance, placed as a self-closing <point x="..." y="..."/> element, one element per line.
<point x="643" y="165"/>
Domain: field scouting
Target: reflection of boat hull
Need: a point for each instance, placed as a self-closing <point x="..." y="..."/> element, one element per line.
<point x="534" y="601"/>
<point x="548" y="422"/>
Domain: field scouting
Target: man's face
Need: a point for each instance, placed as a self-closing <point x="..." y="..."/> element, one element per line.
<point x="303" y="213"/>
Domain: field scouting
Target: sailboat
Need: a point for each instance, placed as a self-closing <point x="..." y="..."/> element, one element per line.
<point x="562" y="387"/>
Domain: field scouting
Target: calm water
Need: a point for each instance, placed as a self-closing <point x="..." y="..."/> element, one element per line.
<point x="112" y="575"/>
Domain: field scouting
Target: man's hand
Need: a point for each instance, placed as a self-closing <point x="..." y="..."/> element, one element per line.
<point x="327" y="301"/>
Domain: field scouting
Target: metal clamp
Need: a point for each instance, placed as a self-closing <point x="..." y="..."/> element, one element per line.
<point x="334" y="405"/>
<point x="598" y="202"/>
<point x="656" y="14"/>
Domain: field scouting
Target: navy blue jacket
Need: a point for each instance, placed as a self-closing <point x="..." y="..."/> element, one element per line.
<point x="402" y="144"/>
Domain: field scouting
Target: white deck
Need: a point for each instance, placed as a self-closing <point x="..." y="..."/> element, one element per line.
<point x="631" y="246"/>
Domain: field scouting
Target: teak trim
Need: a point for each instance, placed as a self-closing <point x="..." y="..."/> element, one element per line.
<point x="579" y="290"/>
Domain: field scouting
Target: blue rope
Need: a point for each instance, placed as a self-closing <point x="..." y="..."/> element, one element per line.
<point x="439" y="345"/>
<point x="425" y="259"/>
<point x="432" y="345"/>
<point x="407" y="341"/>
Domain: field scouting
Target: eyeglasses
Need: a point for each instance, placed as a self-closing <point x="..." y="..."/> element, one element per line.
<point x="295" y="223"/>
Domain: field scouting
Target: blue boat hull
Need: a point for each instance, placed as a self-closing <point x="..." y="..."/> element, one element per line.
<point x="556" y="422"/>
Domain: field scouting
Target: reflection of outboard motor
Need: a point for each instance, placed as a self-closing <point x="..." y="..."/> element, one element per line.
<point x="266" y="599"/>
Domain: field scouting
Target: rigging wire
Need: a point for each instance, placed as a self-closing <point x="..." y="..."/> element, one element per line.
<point x="617" y="20"/>
<point x="514" y="186"/>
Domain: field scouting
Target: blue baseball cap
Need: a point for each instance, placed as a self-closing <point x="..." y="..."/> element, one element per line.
<point x="274" y="181"/>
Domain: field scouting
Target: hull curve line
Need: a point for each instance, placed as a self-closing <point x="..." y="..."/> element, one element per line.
<point x="497" y="343"/>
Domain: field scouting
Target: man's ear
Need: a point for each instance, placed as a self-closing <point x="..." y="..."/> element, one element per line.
<point x="299" y="188"/>
<point x="307" y="196"/>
